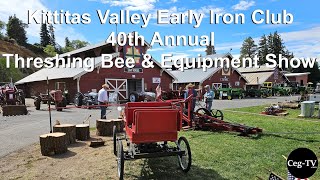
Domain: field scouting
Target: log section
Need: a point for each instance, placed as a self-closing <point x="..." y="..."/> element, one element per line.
<point x="53" y="143"/>
<point x="105" y="126"/>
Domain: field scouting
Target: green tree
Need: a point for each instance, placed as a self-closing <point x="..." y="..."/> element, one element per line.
<point x="277" y="45"/>
<point x="67" y="42"/>
<point x="77" y="44"/>
<point x="2" y="25"/>
<point x="52" y="36"/>
<point x="7" y="73"/>
<point x="263" y="49"/>
<point x="72" y="45"/>
<point x="50" y="50"/>
<point x="44" y="35"/>
<point x="16" y="30"/>
<point x="248" y="49"/>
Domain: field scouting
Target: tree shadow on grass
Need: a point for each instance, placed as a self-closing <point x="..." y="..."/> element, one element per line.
<point x="168" y="168"/>
<point x="285" y="137"/>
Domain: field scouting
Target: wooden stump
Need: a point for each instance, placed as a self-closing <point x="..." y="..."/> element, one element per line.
<point x="82" y="132"/>
<point x="69" y="129"/>
<point x="53" y="143"/>
<point x="105" y="126"/>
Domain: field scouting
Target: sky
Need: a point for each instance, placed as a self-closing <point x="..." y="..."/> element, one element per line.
<point x="302" y="37"/>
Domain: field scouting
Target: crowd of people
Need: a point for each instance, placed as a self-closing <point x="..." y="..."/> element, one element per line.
<point x="208" y="97"/>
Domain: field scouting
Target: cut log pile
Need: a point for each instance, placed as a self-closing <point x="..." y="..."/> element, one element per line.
<point x="105" y="126"/>
<point x="70" y="131"/>
<point x="65" y="134"/>
<point x="53" y="143"/>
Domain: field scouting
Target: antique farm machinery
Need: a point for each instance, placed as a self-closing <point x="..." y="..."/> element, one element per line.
<point x="55" y="96"/>
<point x="149" y="127"/>
<point x="203" y="119"/>
<point x="12" y="100"/>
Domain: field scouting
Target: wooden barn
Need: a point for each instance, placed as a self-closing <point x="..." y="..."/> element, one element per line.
<point x="121" y="81"/>
<point x="300" y="79"/>
<point x="216" y="77"/>
<point x="257" y="76"/>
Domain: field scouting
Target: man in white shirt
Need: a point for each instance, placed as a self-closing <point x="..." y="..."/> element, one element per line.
<point x="103" y="100"/>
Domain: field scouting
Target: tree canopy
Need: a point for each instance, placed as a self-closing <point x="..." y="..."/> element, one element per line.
<point x="248" y="49"/>
<point x="16" y="30"/>
<point x="44" y="35"/>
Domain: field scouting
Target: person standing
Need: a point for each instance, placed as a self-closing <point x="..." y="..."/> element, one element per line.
<point x="191" y="91"/>
<point x="181" y="93"/>
<point x="103" y="100"/>
<point x="208" y="97"/>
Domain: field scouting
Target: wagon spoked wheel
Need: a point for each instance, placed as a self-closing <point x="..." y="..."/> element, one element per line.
<point x="216" y="113"/>
<point x="115" y="140"/>
<point x="120" y="160"/>
<point x="185" y="158"/>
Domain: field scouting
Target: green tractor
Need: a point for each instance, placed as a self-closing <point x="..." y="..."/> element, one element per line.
<point x="230" y="93"/>
<point x="279" y="91"/>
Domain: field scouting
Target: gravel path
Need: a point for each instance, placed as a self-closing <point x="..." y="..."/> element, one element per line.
<point x="19" y="131"/>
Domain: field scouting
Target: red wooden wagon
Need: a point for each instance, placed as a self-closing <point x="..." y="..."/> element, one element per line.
<point x="149" y="126"/>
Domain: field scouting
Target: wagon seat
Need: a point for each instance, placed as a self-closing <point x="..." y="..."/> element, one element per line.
<point x="148" y="122"/>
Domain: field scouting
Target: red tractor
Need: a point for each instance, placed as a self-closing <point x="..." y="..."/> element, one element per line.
<point x="55" y="96"/>
<point x="12" y="100"/>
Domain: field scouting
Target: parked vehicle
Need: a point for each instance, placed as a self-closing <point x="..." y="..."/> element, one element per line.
<point x="263" y="92"/>
<point x="12" y="100"/>
<point x="54" y="96"/>
<point x="88" y="99"/>
<point x="317" y="89"/>
<point x="142" y="96"/>
<point x="230" y="93"/>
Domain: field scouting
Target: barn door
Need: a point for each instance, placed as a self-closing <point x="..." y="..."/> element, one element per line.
<point x="119" y="87"/>
<point x="216" y="86"/>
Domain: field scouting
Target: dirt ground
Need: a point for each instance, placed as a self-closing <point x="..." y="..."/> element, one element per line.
<point x="80" y="162"/>
<point x="84" y="162"/>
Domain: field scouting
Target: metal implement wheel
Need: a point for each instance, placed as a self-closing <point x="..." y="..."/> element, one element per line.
<point x="120" y="159"/>
<point x="58" y="106"/>
<point x="78" y="100"/>
<point x="203" y="111"/>
<point x="37" y="103"/>
<point x="88" y="105"/>
<point x="133" y="97"/>
<point x="184" y="159"/>
<point x="114" y="140"/>
<point x="216" y="113"/>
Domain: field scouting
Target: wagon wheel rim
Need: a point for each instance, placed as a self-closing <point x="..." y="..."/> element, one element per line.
<point x="115" y="140"/>
<point x="120" y="159"/>
<point x="185" y="158"/>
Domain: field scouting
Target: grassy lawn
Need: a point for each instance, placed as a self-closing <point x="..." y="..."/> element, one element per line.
<point x="293" y="113"/>
<point x="228" y="156"/>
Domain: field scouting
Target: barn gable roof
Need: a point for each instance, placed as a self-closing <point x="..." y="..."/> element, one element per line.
<point x="197" y="74"/>
<point x="62" y="73"/>
<point x="257" y="76"/>
<point x="193" y="75"/>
